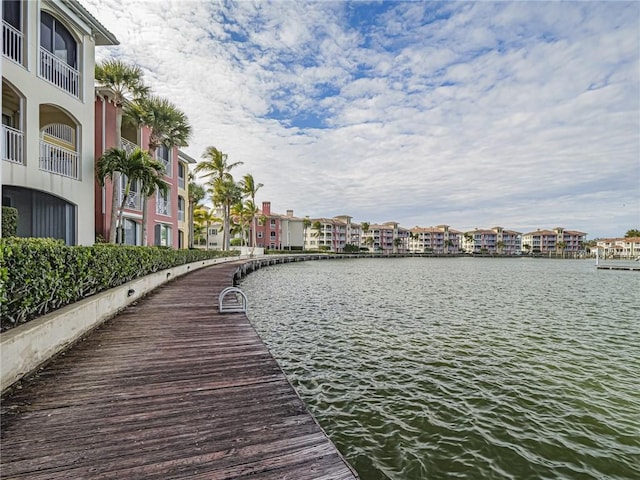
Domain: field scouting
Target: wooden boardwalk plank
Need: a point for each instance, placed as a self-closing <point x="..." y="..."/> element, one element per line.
<point x="168" y="389"/>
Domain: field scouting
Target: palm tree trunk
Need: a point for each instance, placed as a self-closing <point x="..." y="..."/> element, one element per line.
<point x="113" y="225"/>
<point x="144" y="220"/>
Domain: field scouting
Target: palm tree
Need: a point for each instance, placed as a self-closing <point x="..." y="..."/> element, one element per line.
<point x="306" y="223"/>
<point x="117" y="161"/>
<point x="168" y="125"/>
<point x="561" y="246"/>
<point x="500" y="245"/>
<point x="125" y="81"/>
<point x="225" y="192"/>
<point x="196" y="195"/>
<point x="249" y="189"/>
<point x="205" y="217"/>
<point x="151" y="182"/>
<point x="218" y="170"/>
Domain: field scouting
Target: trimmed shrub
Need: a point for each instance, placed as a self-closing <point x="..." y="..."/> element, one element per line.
<point x="38" y="275"/>
<point x="9" y="222"/>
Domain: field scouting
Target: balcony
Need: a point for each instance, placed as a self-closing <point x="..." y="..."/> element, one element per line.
<point x="58" y="160"/>
<point x="133" y="201"/>
<point x="56" y="71"/>
<point x="163" y="206"/>
<point x="13" y="145"/>
<point x="127" y="145"/>
<point x="12" y="42"/>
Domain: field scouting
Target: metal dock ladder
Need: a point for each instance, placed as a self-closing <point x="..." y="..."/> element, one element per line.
<point x="232" y="300"/>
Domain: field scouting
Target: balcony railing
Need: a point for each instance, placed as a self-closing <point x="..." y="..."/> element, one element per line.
<point x="128" y="146"/>
<point x="13" y="145"/>
<point x="181" y="215"/>
<point x="11" y="42"/>
<point x="163" y="206"/>
<point x="133" y="201"/>
<point x="56" y="71"/>
<point x="58" y="160"/>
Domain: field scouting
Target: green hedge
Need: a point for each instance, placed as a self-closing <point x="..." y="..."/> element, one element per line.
<point x="39" y="275"/>
<point x="9" y="221"/>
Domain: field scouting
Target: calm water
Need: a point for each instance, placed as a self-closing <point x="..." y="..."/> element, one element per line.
<point x="462" y="368"/>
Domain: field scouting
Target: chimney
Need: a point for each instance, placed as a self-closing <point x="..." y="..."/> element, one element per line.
<point x="266" y="208"/>
<point x="289" y="213"/>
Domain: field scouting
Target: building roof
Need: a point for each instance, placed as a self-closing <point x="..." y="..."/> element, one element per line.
<point x="186" y="157"/>
<point x="100" y="32"/>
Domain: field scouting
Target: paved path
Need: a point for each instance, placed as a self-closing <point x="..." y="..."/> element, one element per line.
<point x="168" y="389"/>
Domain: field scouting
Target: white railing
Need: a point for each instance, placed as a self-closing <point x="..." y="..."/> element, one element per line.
<point x="133" y="201"/>
<point x="163" y="206"/>
<point x="13" y="145"/>
<point x="61" y="132"/>
<point x="127" y="145"/>
<point x="11" y="42"/>
<point x="181" y="215"/>
<point x="58" y="160"/>
<point x="56" y="71"/>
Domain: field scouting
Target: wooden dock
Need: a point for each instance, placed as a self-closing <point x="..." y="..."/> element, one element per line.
<point x="168" y="389"/>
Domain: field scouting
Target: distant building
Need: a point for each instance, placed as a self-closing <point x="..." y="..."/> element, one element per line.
<point x="557" y="240"/>
<point x="278" y="232"/>
<point x="440" y="239"/>
<point x="624" y="248"/>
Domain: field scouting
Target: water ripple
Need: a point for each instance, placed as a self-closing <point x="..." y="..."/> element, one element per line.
<point x="462" y="368"/>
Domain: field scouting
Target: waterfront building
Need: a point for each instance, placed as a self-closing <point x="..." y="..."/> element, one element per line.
<point x="167" y="215"/>
<point x="387" y="237"/>
<point x="496" y="240"/>
<point x="48" y="163"/>
<point x="557" y="240"/>
<point x="278" y="232"/>
<point x="353" y="231"/>
<point x="623" y="248"/>
<point x="440" y="239"/>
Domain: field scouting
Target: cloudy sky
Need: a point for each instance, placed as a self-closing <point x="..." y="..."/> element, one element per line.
<point x="472" y="114"/>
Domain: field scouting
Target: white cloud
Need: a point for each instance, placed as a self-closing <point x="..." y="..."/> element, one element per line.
<point x="474" y="114"/>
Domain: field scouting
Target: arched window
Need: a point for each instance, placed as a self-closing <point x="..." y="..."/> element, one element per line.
<point x="55" y="38"/>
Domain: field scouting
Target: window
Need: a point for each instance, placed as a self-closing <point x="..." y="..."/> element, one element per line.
<point x="273" y="223"/>
<point x="164" y="156"/>
<point x="181" y="205"/>
<point x="56" y="39"/>
<point x="273" y="235"/>
<point x="259" y="234"/>
<point x="181" y="174"/>
<point x="11" y="13"/>
<point x="131" y="232"/>
<point x="163" y="235"/>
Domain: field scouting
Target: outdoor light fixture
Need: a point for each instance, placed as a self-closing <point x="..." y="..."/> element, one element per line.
<point x="130" y="292"/>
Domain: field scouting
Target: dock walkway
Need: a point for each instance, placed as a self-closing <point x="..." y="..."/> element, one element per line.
<point x="168" y="389"/>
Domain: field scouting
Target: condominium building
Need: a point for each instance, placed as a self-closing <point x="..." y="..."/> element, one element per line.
<point x="440" y="239"/>
<point x="388" y="237"/>
<point x="48" y="169"/>
<point x="624" y="248"/>
<point x="496" y="240"/>
<point x="557" y="240"/>
<point x="278" y="232"/>
<point x="167" y="214"/>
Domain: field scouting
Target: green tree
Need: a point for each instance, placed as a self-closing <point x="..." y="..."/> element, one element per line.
<point x="116" y="161"/>
<point x="196" y="195"/>
<point x="306" y="223"/>
<point x="634" y="232"/>
<point x="216" y="168"/>
<point x="126" y="83"/>
<point x="168" y="125"/>
<point x="249" y="190"/>
<point x="151" y="181"/>
<point x="225" y="192"/>
<point x="561" y="246"/>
